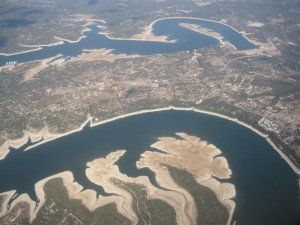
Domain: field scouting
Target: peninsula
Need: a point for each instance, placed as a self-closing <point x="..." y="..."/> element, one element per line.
<point x="137" y="199"/>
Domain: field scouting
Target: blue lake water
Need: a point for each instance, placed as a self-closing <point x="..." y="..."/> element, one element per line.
<point x="267" y="191"/>
<point x="187" y="40"/>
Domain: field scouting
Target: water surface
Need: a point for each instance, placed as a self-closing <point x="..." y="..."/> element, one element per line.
<point x="267" y="191"/>
<point x="187" y="40"/>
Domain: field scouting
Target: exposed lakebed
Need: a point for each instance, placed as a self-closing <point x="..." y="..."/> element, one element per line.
<point x="267" y="191"/>
<point x="186" y="40"/>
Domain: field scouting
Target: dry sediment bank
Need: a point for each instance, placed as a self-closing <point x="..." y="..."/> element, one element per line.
<point x="195" y="18"/>
<point x="102" y="170"/>
<point x="7" y="196"/>
<point x="290" y="163"/>
<point x="264" y="48"/>
<point x="213" y="166"/>
<point x="146" y="35"/>
<point x="39" y="188"/>
<point x="88" y="197"/>
<point x="207" y="32"/>
<point x="101" y="54"/>
<point x="195" y="156"/>
<point x="43" y="135"/>
<point x="86" y="18"/>
<point x="4" y="149"/>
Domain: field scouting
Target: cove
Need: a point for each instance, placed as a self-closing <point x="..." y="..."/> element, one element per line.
<point x="187" y="40"/>
<point x="267" y="191"/>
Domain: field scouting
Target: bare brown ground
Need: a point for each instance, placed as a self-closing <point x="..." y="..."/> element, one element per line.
<point x="101" y="54"/>
<point x="102" y="170"/>
<point x="7" y="196"/>
<point x="88" y="197"/>
<point x="43" y="64"/>
<point x="202" y="30"/>
<point x="147" y="35"/>
<point x="195" y="156"/>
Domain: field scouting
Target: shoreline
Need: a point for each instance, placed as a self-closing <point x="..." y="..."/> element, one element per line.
<point x="101" y="170"/>
<point x="213" y="178"/>
<point x="145" y="35"/>
<point x="43" y="45"/>
<point x="19" y="53"/>
<point x="209" y="32"/>
<point x="195" y="18"/>
<point x="103" y="54"/>
<point x="47" y="136"/>
<point x="263" y="135"/>
<point x="7" y="197"/>
<point x="143" y="38"/>
<point x="60" y="42"/>
<point x="36" y="48"/>
<point x="53" y="136"/>
<point x="71" y="186"/>
<point x="91" y="200"/>
<point x="88" y="197"/>
<point x="86" y="29"/>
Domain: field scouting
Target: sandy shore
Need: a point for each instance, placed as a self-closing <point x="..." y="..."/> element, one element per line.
<point x="17" y="53"/>
<point x="88" y="197"/>
<point x="164" y="179"/>
<point x="39" y="189"/>
<point x="60" y="41"/>
<point x="100" y="54"/>
<point x="36" y="48"/>
<point x="4" y="149"/>
<point x="7" y="195"/>
<point x="39" y="47"/>
<point x="14" y="143"/>
<point x="100" y="171"/>
<point x="208" y="32"/>
<point x="43" y="45"/>
<point x="290" y="163"/>
<point x="28" y="200"/>
<point x="146" y="35"/>
<point x="195" y="18"/>
<point x="90" y="201"/>
<point x="203" y="30"/>
<point x="21" y="198"/>
<point x="47" y="136"/>
<point x="43" y="134"/>
<point x="86" y="29"/>
<point x="79" y="18"/>
<point x="195" y="156"/>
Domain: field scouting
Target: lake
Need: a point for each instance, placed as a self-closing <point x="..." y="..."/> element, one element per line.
<point x="267" y="191"/>
<point x="187" y="40"/>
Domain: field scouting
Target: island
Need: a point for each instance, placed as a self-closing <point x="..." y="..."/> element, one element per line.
<point x="186" y="190"/>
